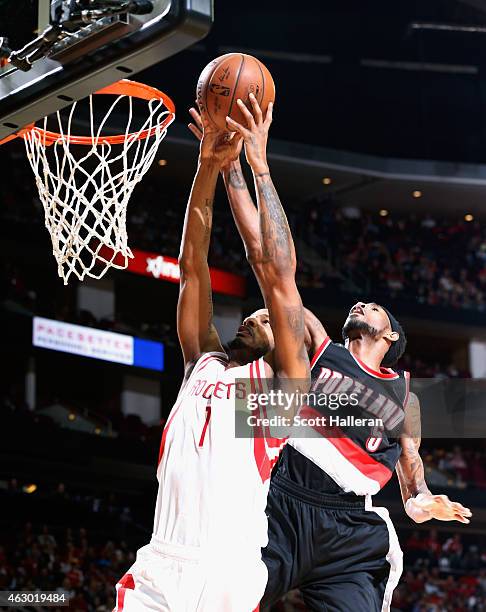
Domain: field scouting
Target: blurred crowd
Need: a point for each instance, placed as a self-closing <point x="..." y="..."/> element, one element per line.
<point x="397" y="255"/>
<point x="434" y="369"/>
<point x="74" y="563"/>
<point x="459" y="467"/>
<point x="76" y="541"/>
<point x="443" y="573"/>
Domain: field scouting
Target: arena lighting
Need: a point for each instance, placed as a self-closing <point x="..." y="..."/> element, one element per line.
<point x="162" y="162"/>
<point x="30" y="488"/>
<point x="383" y="212"/>
<point x="97" y="344"/>
<point x="417" y="194"/>
<point x="72" y="417"/>
<point x="468" y="217"/>
<point x="326" y="180"/>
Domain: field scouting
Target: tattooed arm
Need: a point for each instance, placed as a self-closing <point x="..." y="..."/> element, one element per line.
<point x="420" y="504"/>
<point x="274" y="261"/>
<point x="195" y="307"/>
<point x="244" y="211"/>
<point x="314" y="331"/>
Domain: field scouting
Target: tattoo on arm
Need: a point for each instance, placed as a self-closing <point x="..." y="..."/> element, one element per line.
<point x="296" y="321"/>
<point x="294" y="317"/>
<point x="274" y="229"/>
<point x="236" y="179"/>
<point x="411" y="473"/>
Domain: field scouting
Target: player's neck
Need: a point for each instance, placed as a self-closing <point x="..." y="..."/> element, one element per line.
<point x="239" y="357"/>
<point x="366" y="350"/>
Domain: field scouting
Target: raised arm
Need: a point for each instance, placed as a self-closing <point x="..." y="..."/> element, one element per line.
<point x="274" y="263"/>
<point x="241" y="202"/>
<point x="420" y="504"/>
<point x="195" y="309"/>
<point x="243" y="209"/>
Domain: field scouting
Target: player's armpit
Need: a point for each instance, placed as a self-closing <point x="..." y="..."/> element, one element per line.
<point x="287" y="320"/>
<point x="315" y="334"/>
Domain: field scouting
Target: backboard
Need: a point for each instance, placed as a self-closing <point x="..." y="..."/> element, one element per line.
<point x="93" y="54"/>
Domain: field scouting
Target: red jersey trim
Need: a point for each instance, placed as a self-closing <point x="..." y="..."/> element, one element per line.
<point x="126" y="582"/>
<point x="368" y="466"/>
<point x="320" y="350"/>
<point x="261" y="436"/>
<point x="166" y="429"/>
<point x="259" y="377"/>
<point x="385" y="373"/>
<point x="206" y="361"/>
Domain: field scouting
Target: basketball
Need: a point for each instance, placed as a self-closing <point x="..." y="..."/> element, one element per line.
<point x="229" y="77"/>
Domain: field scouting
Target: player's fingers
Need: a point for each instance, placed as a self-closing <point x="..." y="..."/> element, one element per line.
<point x="233" y="126"/>
<point x="250" y="120"/>
<point x="196" y="117"/>
<point x="257" y="111"/>
<point x="195" y="130"/>
<point x="235" y="137"/>
<point x="204" y="120"/>
<point x="461" y="519"/>
<point x="269" y="115"/>
<point x="459" y="506"/>
<point x="462" y="509"/>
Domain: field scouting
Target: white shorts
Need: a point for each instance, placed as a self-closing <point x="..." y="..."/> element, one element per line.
<point x="173" y="578"/>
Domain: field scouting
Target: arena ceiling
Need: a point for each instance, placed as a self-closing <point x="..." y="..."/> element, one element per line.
<point x="404" y="79"/>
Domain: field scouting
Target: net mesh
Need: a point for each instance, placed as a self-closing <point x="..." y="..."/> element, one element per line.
<point x="85" y="190"/>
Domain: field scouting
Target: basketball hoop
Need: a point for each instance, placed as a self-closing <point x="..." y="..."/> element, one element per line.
<point x="85" y="198"/>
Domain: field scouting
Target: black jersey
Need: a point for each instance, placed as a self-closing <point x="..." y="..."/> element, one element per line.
<point x="352" y="448"/>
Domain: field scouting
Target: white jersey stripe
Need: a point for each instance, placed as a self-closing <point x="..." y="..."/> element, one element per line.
<point x="394" y="555"/>
<point x="325" y="455"/>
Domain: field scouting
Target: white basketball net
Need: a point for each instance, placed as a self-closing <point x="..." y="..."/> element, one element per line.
<point x="85" y="198"/>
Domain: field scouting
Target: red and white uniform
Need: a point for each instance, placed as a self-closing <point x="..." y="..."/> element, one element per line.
<point x="210" y="522"/>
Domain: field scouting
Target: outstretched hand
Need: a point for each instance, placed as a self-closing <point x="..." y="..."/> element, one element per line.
<point x="425" y="507"/>
<point x="216" y="146"/>
<point x="254" y="134"/>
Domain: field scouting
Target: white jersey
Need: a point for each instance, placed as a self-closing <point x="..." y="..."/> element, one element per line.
<point x="213" y="485"/>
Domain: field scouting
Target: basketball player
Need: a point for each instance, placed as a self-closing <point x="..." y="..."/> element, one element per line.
<point x="325" y="535"/>
<point x="210" y="523"/>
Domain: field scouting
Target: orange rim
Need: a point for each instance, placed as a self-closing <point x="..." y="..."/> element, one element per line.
<point x="123" y="87"/>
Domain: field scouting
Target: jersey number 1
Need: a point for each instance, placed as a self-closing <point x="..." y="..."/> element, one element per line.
<point x="206" y="423"/>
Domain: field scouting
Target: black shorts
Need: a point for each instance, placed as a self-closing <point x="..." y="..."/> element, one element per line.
<point x="343" y="555"/>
